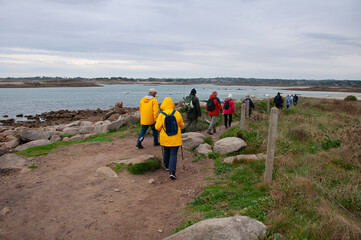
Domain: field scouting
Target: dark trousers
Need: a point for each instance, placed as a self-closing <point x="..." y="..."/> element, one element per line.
<point x="227" y="119"/>
<point x="144" y="131"/>
<point x="170" y="158"/>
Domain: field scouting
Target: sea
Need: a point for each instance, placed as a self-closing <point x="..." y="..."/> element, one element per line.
<point x="31" y="101"/>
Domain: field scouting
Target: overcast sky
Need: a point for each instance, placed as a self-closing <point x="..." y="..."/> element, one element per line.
<point x="297" y="39"/>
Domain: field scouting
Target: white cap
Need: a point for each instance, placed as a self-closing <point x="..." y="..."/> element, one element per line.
<point x="230" y="95"/>
<point x="152" y="90"/>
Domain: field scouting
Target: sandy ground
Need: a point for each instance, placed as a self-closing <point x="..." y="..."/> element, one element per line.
<point x="62" y="199"/>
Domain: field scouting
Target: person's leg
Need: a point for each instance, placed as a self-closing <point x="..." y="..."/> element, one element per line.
<point x="173" y="161"/>
<point x="230" y="120"/>
<point x="188" y="122"/>
<point x="141" y="136"/>
<point x="214" y="119"/>
<point x="225" y="119"/>
<point x="166" y="156"/>
<point x="194" y="124"/>
<point x="155" y="135"/>
<point x="211" y="125"/>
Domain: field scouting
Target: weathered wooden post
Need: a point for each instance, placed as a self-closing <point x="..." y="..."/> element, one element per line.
<point x="271" y="145"/>
<point x="247" y="109"/>
<point x="243" y="115"/>
<point x="268" y="105"/>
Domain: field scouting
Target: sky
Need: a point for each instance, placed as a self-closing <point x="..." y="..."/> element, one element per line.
<point x="287" y="39"/>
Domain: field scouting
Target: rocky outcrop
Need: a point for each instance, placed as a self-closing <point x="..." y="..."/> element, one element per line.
<point x="231" y="228"/>
<point x="229" y="145"/>
<point x="21" y="138"/>
<point x="12" y="161"/>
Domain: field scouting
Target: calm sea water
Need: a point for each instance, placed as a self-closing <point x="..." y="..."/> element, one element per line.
<point x="30" y="101"/>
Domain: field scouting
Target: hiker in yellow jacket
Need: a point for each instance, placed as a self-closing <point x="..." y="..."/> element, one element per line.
<point x="170" y="143"/>
<point x="148" y="108"/>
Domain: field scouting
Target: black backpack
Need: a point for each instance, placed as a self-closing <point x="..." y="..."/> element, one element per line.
<point x="226" y="104"/>
<point x="210" y="105"/>
<point x="170" y="123"/>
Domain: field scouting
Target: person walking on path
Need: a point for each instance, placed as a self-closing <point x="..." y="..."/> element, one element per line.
<point x="295" y="99"/>
<point x="169" y="141"/>
<point x="213" y="107"/>
<point x="251" y="104"/>
<point x="228" y="110"/>
<point x="278" y="100"/>
<point x="148" y="108"/>
<point x="193" y="111"/>
<point x="288" y="101"/>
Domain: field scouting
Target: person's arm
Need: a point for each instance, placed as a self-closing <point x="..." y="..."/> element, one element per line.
<point x="198" y="107"/>
<point x="159" y="122"/>
<point x="179" y="120"/>
<point x="219" y="105"/>
<point x="155" y="109"/>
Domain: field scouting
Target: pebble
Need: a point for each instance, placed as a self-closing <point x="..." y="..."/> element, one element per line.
<point x="160" y="230"/>
<point x="116" y="190"/>
<point x="151" y="181"/>
<point x="5" y="211"/>
<point x="111" y="200"/>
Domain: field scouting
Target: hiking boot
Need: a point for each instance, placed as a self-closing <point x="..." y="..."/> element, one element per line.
<point x="183" y="131"/>
<point x="172" y="175"/>
<point x="214" y="131"/>
<point x="139" y="145"/>
<point x="156" y="144"/>
<point x="209" y="132"/>
<point x="167" y="169"/>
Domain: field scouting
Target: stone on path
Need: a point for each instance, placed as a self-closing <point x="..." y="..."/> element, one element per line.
<point x="237" y="228"/>
<point x="204" y="149"/>
<point x="192" y="139"/>
<point x="135" y="160"/>
<point x="253" y="157"/>
<point x="5" y="211"/>
<point x="229" y="145"/>
<point x="105" y="172"/>
<point x="12" y="161"/>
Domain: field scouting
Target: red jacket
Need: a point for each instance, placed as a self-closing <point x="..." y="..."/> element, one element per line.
<point x="217" y="108"/>
<point x="230" y="110"/>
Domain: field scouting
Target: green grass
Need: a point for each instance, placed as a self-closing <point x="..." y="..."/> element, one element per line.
<point x="317" y="156"/>
<point x="33" y="166"/>
<point x="138" y="168"/>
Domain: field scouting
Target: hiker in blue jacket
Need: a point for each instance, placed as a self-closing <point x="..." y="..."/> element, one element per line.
<point x="288" y="101"/>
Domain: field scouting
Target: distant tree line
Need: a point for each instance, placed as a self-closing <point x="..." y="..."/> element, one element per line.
<point x="217" y="80"/>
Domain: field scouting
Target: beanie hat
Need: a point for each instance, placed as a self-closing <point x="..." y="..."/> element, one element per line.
<point x="193" y="91"/>
<point x="247" y="95"/>
<point x="214" y="93"/>
<point x="230" y="95"/>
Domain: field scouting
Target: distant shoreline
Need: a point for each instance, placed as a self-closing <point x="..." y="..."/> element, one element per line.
<point x="100" y="83"/>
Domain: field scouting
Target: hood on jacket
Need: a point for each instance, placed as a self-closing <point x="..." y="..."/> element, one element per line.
<point x="212" y="96"/>
<point x="148" y="98"/>
<point x="167" y="104"/>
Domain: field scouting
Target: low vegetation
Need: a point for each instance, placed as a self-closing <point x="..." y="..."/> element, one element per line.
<point x="316" y="187"/>
<point x="138" y="168"/>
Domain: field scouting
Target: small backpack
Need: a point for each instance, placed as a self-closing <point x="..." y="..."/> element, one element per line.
<point x="188" y="104"/>
<point x="226" y="104"/>
<point x="210" y="105"/>
<point x="170" y="123"/>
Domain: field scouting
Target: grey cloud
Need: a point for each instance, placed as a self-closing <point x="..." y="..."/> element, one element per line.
<point x="335" y="39"/>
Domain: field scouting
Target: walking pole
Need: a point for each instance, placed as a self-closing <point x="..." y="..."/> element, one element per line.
<point x="182" y="156"/>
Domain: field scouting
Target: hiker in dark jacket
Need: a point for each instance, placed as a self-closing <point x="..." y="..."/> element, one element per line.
<point x="295" y="99"/>
<point x="278" y="100"/>
<point x="228" y="110"/>
<point x="251" y="104"/>
<point x="193" y="111"/>
<point x="214" y="113"/>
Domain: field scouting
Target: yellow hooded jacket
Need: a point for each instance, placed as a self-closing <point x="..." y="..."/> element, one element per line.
<point x="148" y="108"/>
<point x="169" y="141"/>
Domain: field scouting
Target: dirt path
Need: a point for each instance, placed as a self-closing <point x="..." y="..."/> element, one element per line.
<point x="62" y="199"/>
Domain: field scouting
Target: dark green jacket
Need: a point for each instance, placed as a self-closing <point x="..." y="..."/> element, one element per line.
<point x="196" y="111"/>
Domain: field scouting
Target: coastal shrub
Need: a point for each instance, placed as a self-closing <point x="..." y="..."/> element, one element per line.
<point x="138" y="168"/>
<point x="350" y="98"/>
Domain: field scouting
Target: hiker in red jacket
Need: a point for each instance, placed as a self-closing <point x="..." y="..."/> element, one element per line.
<point x="228" y="106"/>
<point x="213" y="107"/>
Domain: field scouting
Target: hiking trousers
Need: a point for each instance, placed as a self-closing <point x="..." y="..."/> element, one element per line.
<point x="170" y="158"/>
<point x="226" y="120"/>
<point x="144" y="131"/>
<point x="212" y="125"/>
<point x="193" y="122"/>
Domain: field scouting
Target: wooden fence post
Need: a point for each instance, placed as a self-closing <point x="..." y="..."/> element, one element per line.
<point x="268" y="105"/>
<point x="247" y="109"/>
<point x="243" y="115"/>
<point x="271" y="145"/>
